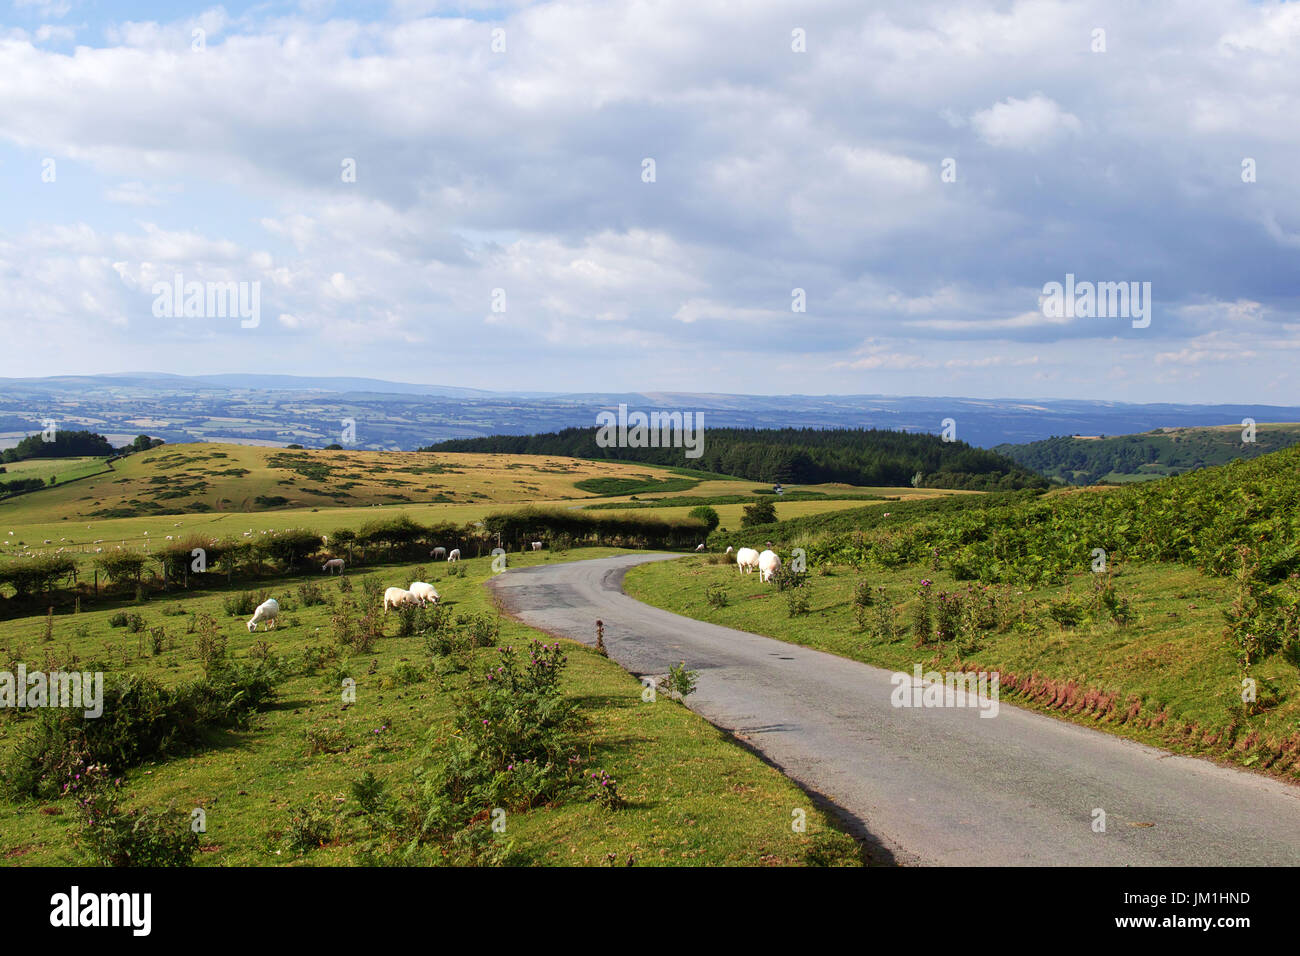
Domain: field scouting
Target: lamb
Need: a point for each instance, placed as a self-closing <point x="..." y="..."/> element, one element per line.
<point x="399" y="598"/>
<point x="700" y="546"/>
<point x="747" y="559"/>
<point x="537" y="546"/>
<point x="729" y="550"/>
<point x="438" y="553"/>
<point x="768" y="565"/>
<point x="332" y="565"/>
<point x="424" y="593"/>
<point x="455" y="555"/>
<point x="267" y="612"/>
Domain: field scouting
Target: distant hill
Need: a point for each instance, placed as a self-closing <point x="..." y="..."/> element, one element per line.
<point x="1086" y="460"/>
<point x="872" y="457"/>
<point x="275" y="409"/>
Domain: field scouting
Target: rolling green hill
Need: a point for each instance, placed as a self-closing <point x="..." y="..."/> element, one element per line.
<point x="1079" y="460"/>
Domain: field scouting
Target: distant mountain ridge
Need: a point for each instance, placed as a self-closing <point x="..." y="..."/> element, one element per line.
<point x="311" y="410"/>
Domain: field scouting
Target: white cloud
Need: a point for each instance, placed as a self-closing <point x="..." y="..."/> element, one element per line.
<point x="1031" y="124"/>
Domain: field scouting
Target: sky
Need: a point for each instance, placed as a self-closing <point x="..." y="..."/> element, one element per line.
<point x="772" y="198"/>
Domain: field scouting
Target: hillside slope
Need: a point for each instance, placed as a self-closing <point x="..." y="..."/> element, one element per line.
<point x="1154" y="454"/>
<point x="203" y="478"/>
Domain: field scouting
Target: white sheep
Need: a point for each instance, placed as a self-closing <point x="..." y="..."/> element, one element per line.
<point x="455" y="555"/>
<point x="700" y="546"/>
<point x="747" y="559"/>
<point x="399" y="598"/>
<point x="424" y="593"/>
<point x="438" y="553"/>
<point x="267" y="612"/>
<point x="768" y="564"/>
<point x="537" y="546"/>
<point x="332" y="565"/>
<point x="729" y="550"/>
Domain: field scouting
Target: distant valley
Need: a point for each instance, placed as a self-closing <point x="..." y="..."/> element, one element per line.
<point x="369" y="414"/>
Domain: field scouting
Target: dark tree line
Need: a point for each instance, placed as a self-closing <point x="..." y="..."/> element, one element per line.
<point x="792" y="455"/>
<point x="73" y="444"/>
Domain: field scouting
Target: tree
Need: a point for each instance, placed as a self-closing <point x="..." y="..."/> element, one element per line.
<point x="121" y="566"/>
<point x="707" y="515"/>
<point x="762" y="511"/>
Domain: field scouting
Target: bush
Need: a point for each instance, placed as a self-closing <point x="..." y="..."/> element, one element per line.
<point x="310" y="594"/>
<point x="1066" y="612"/>
<point x="109" y="836"/>
<point x="922" y="615"/>
<point x="707" y="515"/>
<point x="716" y="596"/>
<point x="309" y="828"/>
<point x="760" y="512"/>
<point x="242" y="604"/>
<point x="681" y="682"/>
<point x="324" y="740"/>
<point x="141" y="720"/>
<point x="130" y="620"/>
<point x="886" y="628"/>
<point x="797" y="602"/>
<point x="785" y="578"/>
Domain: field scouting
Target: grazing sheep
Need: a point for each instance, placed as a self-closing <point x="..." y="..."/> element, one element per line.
<point x="729" y="550"/>
<point x="266" y="612"/>
<point x="700" y="546"/>
<point x="438" y="553"/>
<point x="424" y="593"/>
<point x="768" y="564"/>
<point x="537" y="546"/>
<point x="399" y="598"/>
<point x="332" y="565"/>
<point x="455" y="555"/>
<point x="747" y="559"/>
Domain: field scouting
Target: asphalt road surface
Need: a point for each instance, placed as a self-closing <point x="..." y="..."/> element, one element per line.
<point x="938" y="785"/>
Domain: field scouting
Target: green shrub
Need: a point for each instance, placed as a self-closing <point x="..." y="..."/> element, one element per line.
<point x="141" y="720"/>
<point x="681" y="682"/>
<point x="242" y="604"/>
<point x="107" y="835"/>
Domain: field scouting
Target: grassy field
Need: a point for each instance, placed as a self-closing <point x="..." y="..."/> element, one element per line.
<point x="73" y="518"/>
<point x="61" y="469"/>
<point x="694" y="796"/>
<point x="205" y="478"/>
<point x="1167" y="678"/>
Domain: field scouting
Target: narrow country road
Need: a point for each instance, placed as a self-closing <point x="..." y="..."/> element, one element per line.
<point x="926" y="785"/>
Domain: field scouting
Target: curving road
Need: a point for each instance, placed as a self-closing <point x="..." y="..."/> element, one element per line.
<point x="925" y="785"/>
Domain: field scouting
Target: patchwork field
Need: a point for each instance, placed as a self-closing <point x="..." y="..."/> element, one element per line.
<point x="229" y="489"/>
